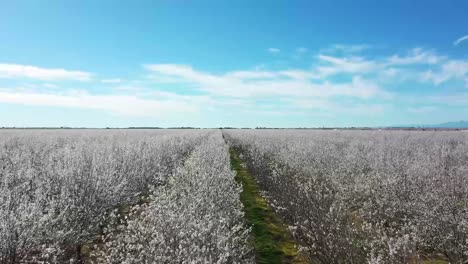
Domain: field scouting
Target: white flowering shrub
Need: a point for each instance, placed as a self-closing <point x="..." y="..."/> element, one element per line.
<point x="196" y="217"/>
<point x="365" y="196"/>
<point x="57" y="188"/>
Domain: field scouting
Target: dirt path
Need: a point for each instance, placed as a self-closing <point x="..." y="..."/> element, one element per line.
<point x="272" y="240"/>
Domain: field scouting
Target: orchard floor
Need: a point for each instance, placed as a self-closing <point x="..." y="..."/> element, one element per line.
<point x="272" y="240"/>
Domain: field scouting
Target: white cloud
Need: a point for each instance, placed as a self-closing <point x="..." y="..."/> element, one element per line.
<point x="187" y="73"/>
<point x="418" y="64"/>
<point x="117" y="104"/>
<point x="454" y="69"/>
<point x="251" y="112"/>
<point x="341" y="82"/>
<point x="416" y="56"/>
<point x="273" y="50"/>
<point x="390" y="72"/>
<point x="452" y="99"/>
<point x="423" y="109"/>
<point x="346" y="48"/>
<point x="344" y="108"/>
<point x="111" y="81"/>
<point x="460" y="40"/>
<point x="50" y="85"/>
<point x="281" y="83"/>
<point x="312" y="103"/>
<point x="365" y="109"/>
<point x="251" y="74"/>
<point x="301" y="50"/>
<point x="129" y="88"/>
<point x="33" y="72"/>
<point x="346" y="65"/>
<point x="299" y="74"/>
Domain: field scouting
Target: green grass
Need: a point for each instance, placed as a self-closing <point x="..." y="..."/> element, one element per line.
<point x="272" y="240"/>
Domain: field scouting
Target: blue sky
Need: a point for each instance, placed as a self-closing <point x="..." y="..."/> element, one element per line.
<point x="233" y="63"/>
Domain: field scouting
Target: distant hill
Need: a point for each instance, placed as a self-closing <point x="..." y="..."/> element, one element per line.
<point x="455" y="124"/>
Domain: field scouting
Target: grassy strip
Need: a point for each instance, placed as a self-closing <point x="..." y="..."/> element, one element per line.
<point x="273" y="241"/>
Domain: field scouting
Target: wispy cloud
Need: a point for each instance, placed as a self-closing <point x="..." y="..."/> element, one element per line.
<point x="341" y="83"/>
<point x="417" y="64"/>
<point x="449" y="99"/>
<point x="331" y="106"/>
<point x="454" y="69"/>
<point x="252" y="75"/>
<point x="346" y="65"/>
<point x="49" y="74"/>
<point x="343" y="48"/>
<point x="118" y="104"/>
<point x="50" y="85"/>
<point x="273" y="50"/>
<point x="300" y="53"/>
<point x="111" y="81"/>
<point x="416" y="56"/>
<point x="423" y="109"/>
<point x="299" y="74"/>
<point x="301" y="50"/>
<point x="275" y="83"/>
<point x="460" y="40"/>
